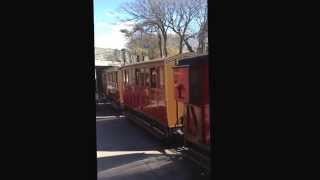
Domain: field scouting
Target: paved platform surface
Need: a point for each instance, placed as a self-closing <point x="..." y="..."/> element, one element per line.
<point x="127" y="152"/>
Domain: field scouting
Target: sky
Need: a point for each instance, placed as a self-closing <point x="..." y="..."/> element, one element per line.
<point x="107" y="24"/>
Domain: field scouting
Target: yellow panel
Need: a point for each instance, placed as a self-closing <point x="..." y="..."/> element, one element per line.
<point x="170" y="97"/>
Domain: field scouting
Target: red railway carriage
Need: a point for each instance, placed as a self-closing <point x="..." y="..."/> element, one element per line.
<point x="191" y="78"/>
<point x="111" y="83"/>
<point x="171" y="92"/>
<point x="147" y="89"/>
<point x="144" y="89"/>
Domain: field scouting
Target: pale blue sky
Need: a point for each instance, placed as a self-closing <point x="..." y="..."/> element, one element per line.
<point x="107" y="25"/>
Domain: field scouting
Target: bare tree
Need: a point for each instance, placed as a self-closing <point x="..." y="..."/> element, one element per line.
<point x="151" y="13"/>
<point x="151" y="29"/>
<point x="126" y="32"/>
<point x="180" y="14"/>
<point x="186" y="41"/>
<point x="202" y="20"/>
<point x="142" y="42"/>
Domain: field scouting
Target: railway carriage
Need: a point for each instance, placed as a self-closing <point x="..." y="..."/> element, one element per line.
<point x="169" y="92"/>
<point x="147" y="89"/>
<point x="111" y="83"/>
<point x="167" y="95"/>
<point x="191" y="79"/>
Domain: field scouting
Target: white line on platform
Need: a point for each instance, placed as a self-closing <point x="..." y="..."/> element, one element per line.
<point x="132" y="168"/>
<point x="99" y="117"/>
<point x="103" y="103"/>
<point x="101" y="154"/>
<point x="105" y="118"/>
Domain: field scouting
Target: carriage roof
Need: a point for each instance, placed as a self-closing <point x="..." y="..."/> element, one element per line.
<point x="143" y="63"/>
<point x="164" y="60"/>
<point x="112" y="69"/>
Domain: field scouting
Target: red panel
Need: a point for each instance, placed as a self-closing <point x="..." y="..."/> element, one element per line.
<point x="194" y="124"/>
<point x="205" y="84"/>
<point x="206" y="125"/>
<point x="197" y="117"/>
<point x="150" y="101"/>
<point x="181" y="84"/>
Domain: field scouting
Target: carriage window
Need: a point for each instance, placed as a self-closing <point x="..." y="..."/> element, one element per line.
<point x="111" y="76"/>
<point x="131" y="76"/>
<point x="142" y="77"/>
<point x="154" y="76"/>
<point x="137" y="74"/>
<point x="147" y="77"/>
<point x="125" y="76"/>
<point x="158" y="77"/>
<point x="116" y="79"/>
<point x="161" y="77"/>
